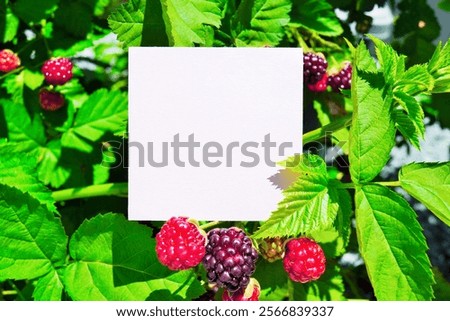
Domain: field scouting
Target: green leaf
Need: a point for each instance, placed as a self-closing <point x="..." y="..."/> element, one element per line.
<point x="49" y="287"/>
<point x="186" y="19"/>
<point x="32" y="80"/>
<point x="406" y="127"/>
<point x="334" y="239"/>
<point x="115" y="259"/>
<point x="32" y="240"/>
<point x="260" y="22"/>
<point x="439" y="68"/>
<point x="344" y="214"/>
<point x="392" y="245"/>
<point x="16" y="85"/>
<point x="154" y="29"/>
<point x="273" y="280"/>
<point x="388" y="60"/>
<point x="19" y="171"/>
<point x="103" y="112"/>
<point x="22" y="128"/>
<point x="28" y="11"/>
<point x="329" y="287"/>
<point x="415" y="80"/>
<point x="74" y="18"/>
<point x="316" y="15"/>
<point x="373" y="131"/>
<point x="306" y="206"/>
<point x="430" y="184"/>
<point x="9" y="24"/>
<point x="364" y="59"/>
<point x="414" y="113"/>
<point x="127" y="22"/>
<point x="50" y="170"/>
<point x="74" y="92"/>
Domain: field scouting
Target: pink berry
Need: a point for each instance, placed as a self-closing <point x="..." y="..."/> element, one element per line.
<point x="319" y="86"/>
<point x="180" y="244"/>
<point x="51" y="100"/>
<point x="57" y="71"/>
<point x="304" y="260"/>
<point x="8" y="60"/>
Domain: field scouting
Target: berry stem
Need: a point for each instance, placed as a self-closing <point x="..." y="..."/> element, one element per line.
<point x="389" y="184"/>
<point x="300" y="39"/>
<point x="18" y="292"/>
<point x="113" y="189"/>
<point x="209" y="225"/>
<point x="352" y="185"/>
<point x="12" y="72"/>
<point x="9" y="292"/>
<point x="321" y="132"/>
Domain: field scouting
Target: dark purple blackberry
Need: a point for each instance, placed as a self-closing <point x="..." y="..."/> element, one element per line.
<point x="341" y="80"/>
<point x="314" y="67"/>
<point x="230" y="258"/>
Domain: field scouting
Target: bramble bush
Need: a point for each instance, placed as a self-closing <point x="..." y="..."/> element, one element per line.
<point x="64" y="233"/>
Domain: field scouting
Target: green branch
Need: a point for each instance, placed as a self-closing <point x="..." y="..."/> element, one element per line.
<point x="9" y="292"/>
<point x="209" y="225"/>
<point x="353" y="185"/>
<point x="113" y="189"/>
<point x="321" y="132"/>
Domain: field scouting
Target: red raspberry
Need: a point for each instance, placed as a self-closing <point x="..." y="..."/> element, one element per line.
<point x="57" y="71"/>
<point x="180" y="244"/>
<point x="8" y="60"/>
<point x="304" y="260"/>
<point x="314" y="67"/>
<point x="250" y="293"/>
<point x="230" y="258"/>
<point x="51" y="100"/>
<point x="342" y="79"/>
<point x="272" y="249"/>
<point x="319" y="86"/>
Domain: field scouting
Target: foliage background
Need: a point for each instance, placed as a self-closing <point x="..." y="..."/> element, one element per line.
<point x="83" y="248"/>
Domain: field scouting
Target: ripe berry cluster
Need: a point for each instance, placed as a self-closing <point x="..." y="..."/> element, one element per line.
<point x="226" y="253"/>
<point x="229" y="258"/>
<point x="316" y="77"/>
<point x="56" y="71"/>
